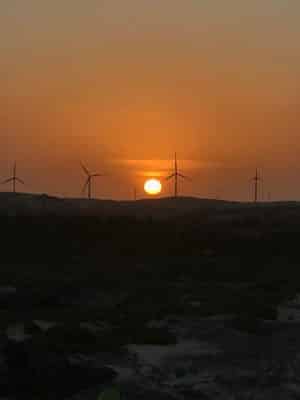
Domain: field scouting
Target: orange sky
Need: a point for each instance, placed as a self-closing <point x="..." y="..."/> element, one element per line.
<point x="122" y="85"/>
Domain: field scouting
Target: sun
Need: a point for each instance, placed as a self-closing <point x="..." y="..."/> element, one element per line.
<point x="152" y="187"/>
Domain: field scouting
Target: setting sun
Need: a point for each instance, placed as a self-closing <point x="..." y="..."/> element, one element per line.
<point x="152" y="186"/>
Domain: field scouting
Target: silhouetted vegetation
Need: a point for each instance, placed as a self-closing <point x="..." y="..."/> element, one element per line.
<point x="56" y="259"/>
<point x="103" y="280"/>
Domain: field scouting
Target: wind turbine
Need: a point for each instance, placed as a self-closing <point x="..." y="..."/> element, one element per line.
<point x="176" y="174"/>
<point x="14" y="179"/>
<point x="256" y="180"/>
<point x="88" y="182"/>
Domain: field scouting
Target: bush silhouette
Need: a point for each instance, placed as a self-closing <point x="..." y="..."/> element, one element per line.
<point x="110" y="394"/>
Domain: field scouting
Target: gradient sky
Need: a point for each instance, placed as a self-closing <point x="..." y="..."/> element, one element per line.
<point x="123" y="84"/>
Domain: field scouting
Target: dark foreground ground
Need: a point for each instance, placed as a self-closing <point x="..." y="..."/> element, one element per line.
<point x="196" y="306"/>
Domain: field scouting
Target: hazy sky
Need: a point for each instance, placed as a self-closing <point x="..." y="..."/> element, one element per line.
<point x="123" y="84"/>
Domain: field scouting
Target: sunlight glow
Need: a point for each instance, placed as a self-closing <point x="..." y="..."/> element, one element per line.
<point x="152" y="186"/>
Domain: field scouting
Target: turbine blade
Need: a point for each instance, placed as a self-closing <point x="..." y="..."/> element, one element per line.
<point x="97" y="175"/>
<point x="7" y="181"/>
<point x="85" y="169"/>
<point x="20" y="181"/>
<point x="85" y="186"/>
<point x="184" y="176"/>
<point x="170" y="177"/>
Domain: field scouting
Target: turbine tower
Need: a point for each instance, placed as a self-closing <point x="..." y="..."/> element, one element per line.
<point x="88" y="182"/>
<point x="176" y="174"/>
<point x="256" y="180"/>
<point x="14" y="179"/>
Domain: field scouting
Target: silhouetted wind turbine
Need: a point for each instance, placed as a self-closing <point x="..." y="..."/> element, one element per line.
<point x="256" y="180"/>
<point x="14" y="179"/>
<point x="176" y="175"/>
<point x="88" y="182"/>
